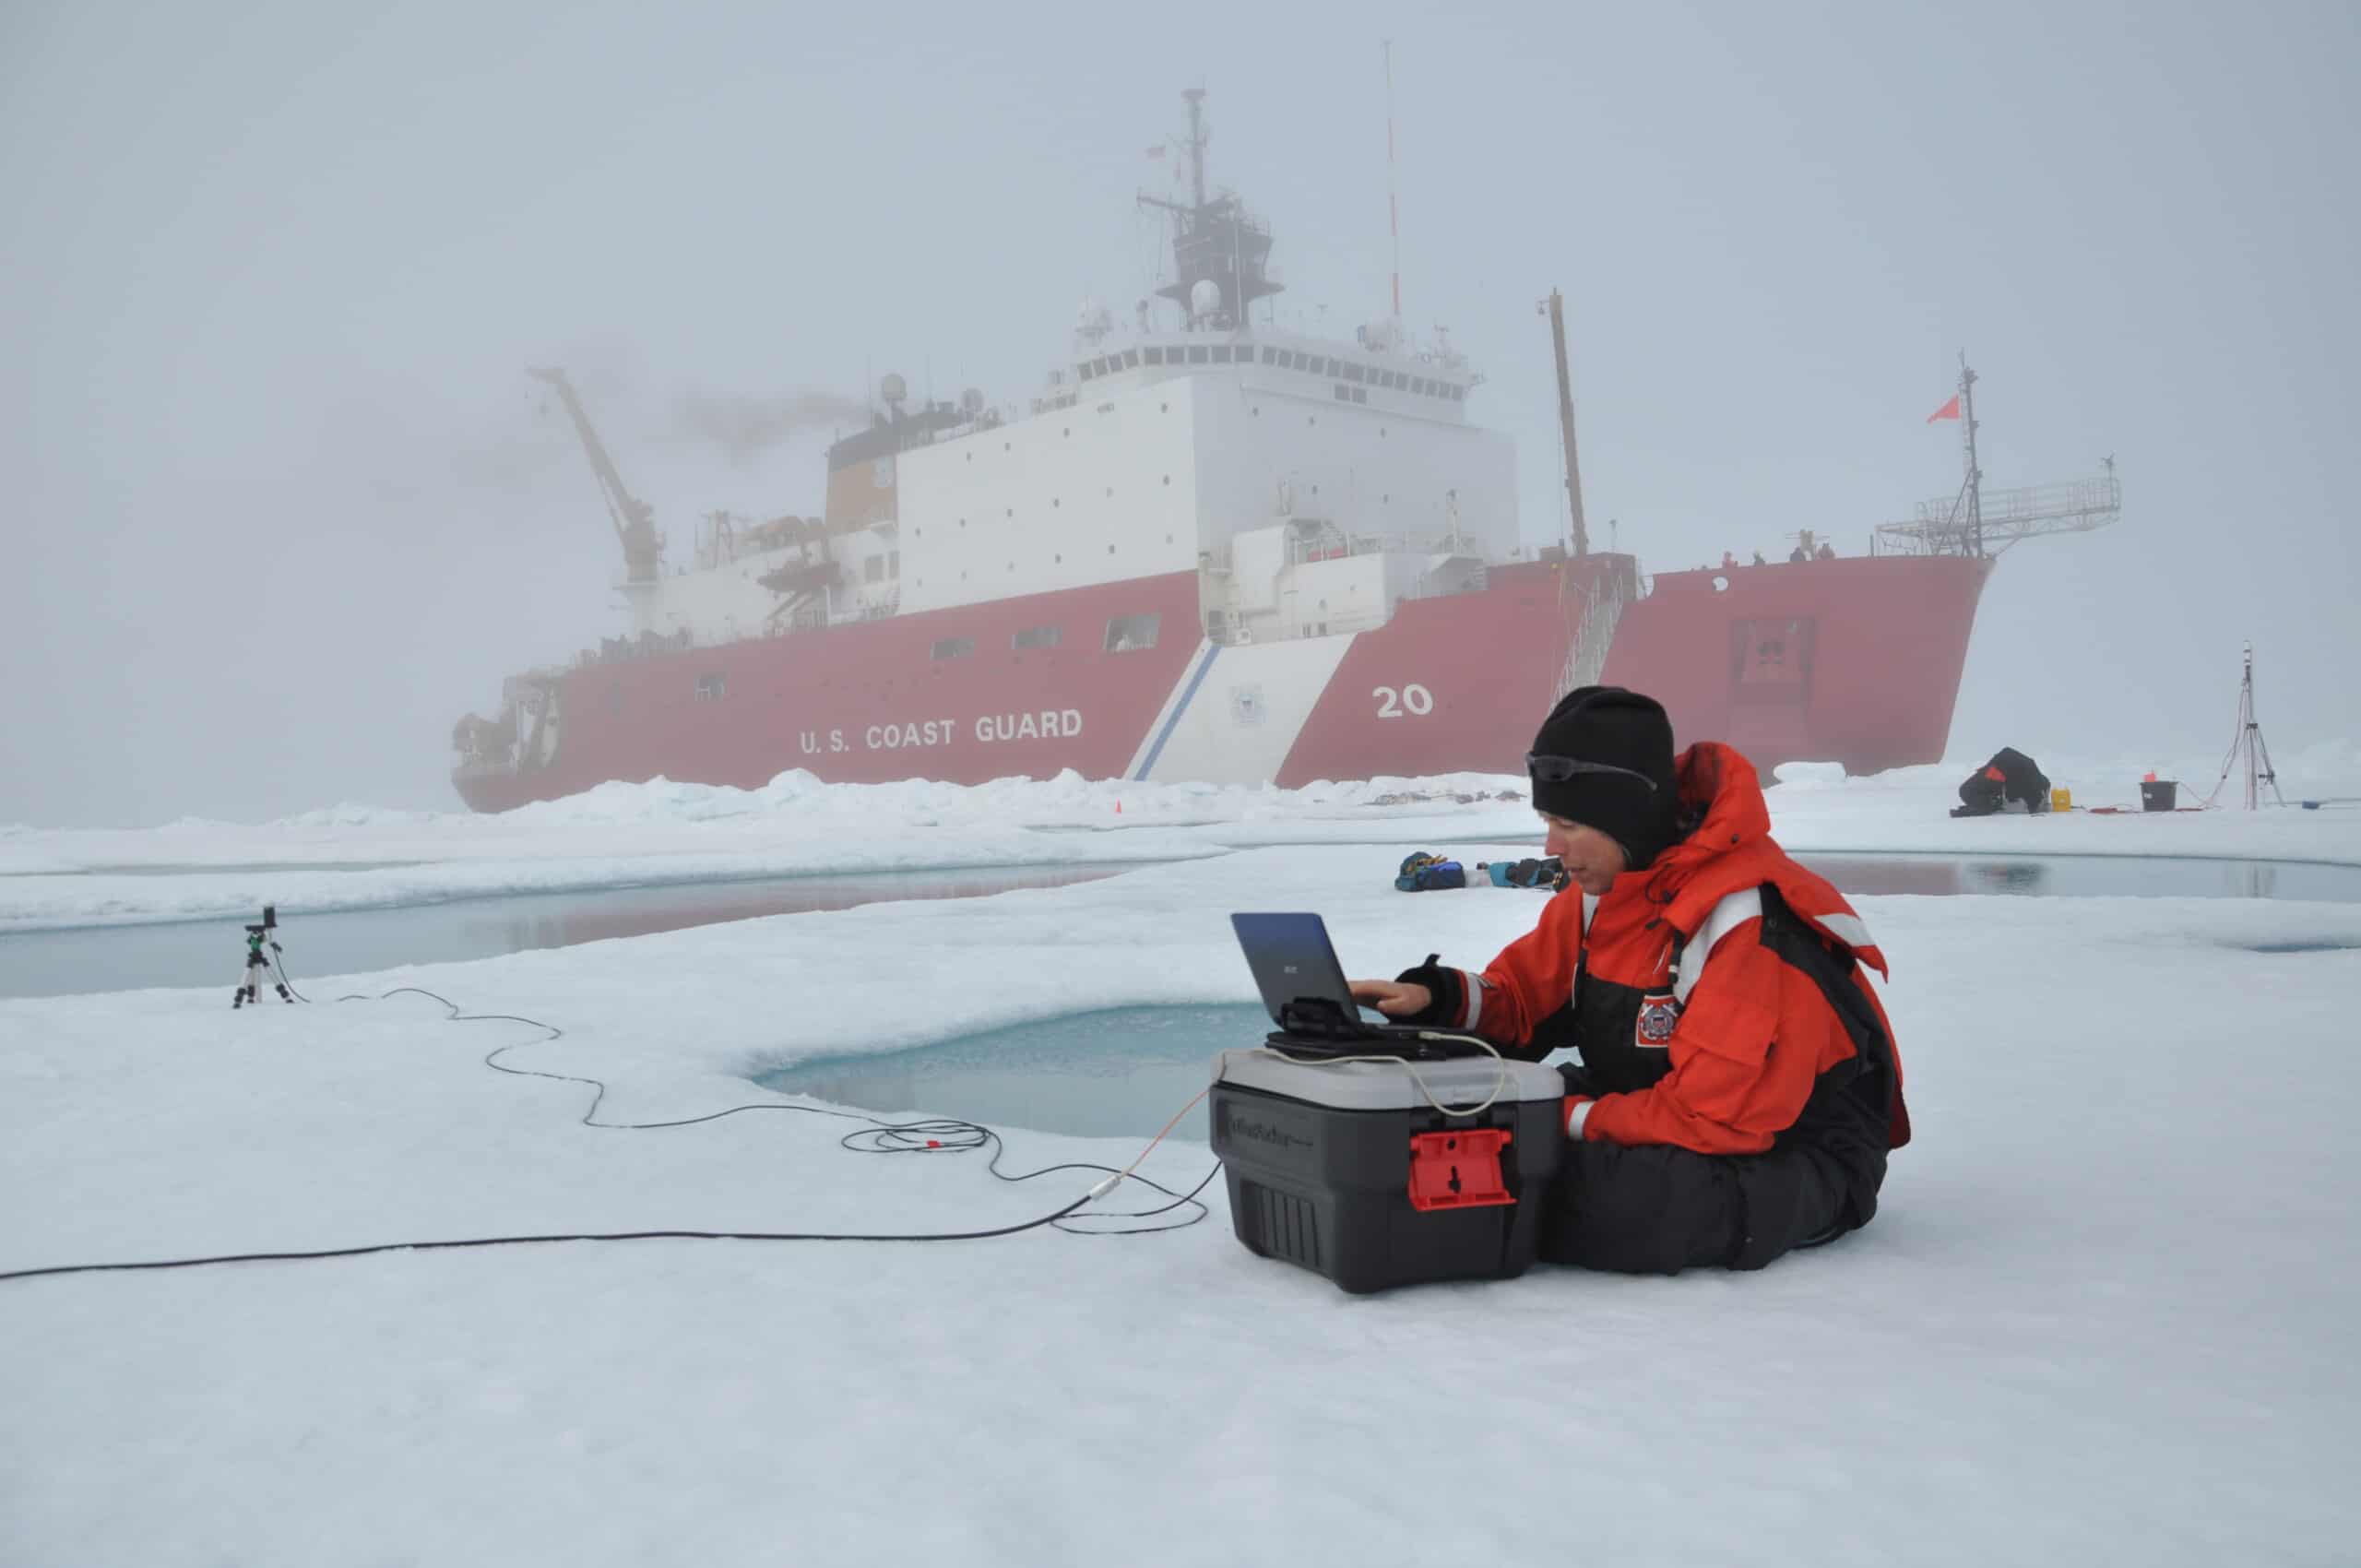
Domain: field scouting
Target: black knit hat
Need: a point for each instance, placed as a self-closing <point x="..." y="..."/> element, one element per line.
<point x="1604" y="759"/>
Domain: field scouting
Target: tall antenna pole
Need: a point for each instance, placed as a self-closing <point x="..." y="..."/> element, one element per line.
<point x="1196" y="97"/>
<point x="1974" y="473"/>
<point x="2248" y="745"/>
<point x="1556" y="307"/>
<point x="1392" y="204"/>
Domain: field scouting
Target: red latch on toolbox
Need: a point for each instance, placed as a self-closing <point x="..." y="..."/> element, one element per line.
<point x="1458" y="1169"/>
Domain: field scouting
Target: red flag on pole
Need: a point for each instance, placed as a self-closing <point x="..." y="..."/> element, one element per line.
<point x="1948" y="411"/>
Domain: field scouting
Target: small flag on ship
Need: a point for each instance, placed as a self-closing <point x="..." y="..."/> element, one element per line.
<point x="1948" y="411"/>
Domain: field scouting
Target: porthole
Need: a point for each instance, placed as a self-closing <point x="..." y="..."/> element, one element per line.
<point x="1168" y="479"/>
<point x="1111" y="550"/>
<point x="1055" y="503"/>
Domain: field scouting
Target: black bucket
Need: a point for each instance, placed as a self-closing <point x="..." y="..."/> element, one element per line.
<point x="2159" y="794"/>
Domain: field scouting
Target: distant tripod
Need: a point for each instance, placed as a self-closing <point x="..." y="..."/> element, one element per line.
<point x="249" y="988"/>
<point x="2249" y="743"/>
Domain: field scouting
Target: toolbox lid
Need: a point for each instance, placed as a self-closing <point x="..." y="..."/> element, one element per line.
<point x="1388" y="1086"/>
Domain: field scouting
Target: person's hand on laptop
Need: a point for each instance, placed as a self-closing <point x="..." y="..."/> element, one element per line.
<point x="1395" y="999"/>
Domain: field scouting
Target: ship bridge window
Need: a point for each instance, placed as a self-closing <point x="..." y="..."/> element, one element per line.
<point x="1270" y="356"/>
<point x="710" y="688"/>
<point x="954" y="648"/>
<point x="1036" y="637"/>
<point x="1334" y="368"/>
<point x="1221" y="353"/>
<point x="1133" y="633"/>
<point x="1082" y="370"/>
<point x="1155" y="356"/>
<point x="1355" y="373"/>
<point x="1131" y="358"/>
<point x="1197" y="354"/>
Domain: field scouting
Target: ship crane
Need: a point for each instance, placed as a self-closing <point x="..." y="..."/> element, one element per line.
<point x="1975" y="522"/>
<point x="634" y="518"/>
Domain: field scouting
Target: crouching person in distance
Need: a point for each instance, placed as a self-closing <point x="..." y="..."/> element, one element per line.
<point x="1738" y="1088"/>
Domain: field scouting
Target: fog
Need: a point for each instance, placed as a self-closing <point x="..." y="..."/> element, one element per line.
<point x="286" y="503"/>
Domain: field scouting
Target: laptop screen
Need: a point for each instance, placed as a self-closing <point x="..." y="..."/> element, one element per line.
<point x="1294" y="963"/>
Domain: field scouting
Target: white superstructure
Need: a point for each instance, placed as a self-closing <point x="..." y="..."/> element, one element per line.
<point x="1313" y="484"/>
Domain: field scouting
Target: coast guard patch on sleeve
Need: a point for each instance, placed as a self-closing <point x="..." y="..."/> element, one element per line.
<point x="1658" y="1016"/>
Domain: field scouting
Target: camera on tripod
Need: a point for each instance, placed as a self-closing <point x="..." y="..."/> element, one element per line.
<point x="258" y="935"/>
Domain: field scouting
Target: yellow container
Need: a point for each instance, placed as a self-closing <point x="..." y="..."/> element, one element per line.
<point x="2061" y="800"/>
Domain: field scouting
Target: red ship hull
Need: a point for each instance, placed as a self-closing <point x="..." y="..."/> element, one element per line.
<point x="1853" y="661"/>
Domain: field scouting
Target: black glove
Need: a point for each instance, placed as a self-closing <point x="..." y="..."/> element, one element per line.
<point x="1450" y="1004"/>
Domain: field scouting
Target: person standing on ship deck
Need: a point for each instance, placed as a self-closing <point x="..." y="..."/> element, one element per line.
<point x="1740" y="1089"/>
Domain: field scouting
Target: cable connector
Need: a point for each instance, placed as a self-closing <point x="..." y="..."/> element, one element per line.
<point x="1103" y="1188"/>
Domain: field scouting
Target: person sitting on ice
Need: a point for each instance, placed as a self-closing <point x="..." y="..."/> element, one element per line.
<point x="1738" y="1089"/>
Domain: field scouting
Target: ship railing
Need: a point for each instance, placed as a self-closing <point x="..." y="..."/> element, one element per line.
<point x="1331" y="543"/>
<point x="647" y="645"/>
<point x="1600" y="606"/>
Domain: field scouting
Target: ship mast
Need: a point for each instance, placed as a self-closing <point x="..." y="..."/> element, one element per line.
<point x="1214" y="241"/>
<point x="1555" y="308"/>
<point x="1393" y="203"/>
<point x="1197" y="99"/>
<point x="1970" y="523"/>
<point x="1975" y="520"/>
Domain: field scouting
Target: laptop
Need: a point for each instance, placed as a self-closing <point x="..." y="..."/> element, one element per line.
<point x="1304" y="991"/>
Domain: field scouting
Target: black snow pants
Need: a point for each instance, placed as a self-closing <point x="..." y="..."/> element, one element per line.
<point x="1654" y="1209"/>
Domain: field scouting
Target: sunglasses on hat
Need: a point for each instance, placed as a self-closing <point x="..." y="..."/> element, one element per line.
<point x="1558" y="769"/>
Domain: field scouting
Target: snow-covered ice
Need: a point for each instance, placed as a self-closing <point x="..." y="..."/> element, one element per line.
<point x="2103" y="1317"/>
<point x="355" y="857"/>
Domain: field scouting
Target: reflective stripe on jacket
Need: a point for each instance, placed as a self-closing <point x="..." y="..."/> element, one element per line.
<point x="1766" y="1025"/>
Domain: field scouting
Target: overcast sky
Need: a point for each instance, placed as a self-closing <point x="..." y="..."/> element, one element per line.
<point x="285" y="504"/>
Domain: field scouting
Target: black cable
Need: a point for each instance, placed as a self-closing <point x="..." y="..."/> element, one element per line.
<point x="279" y="962"/>
<point x="928" y="1135"/>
